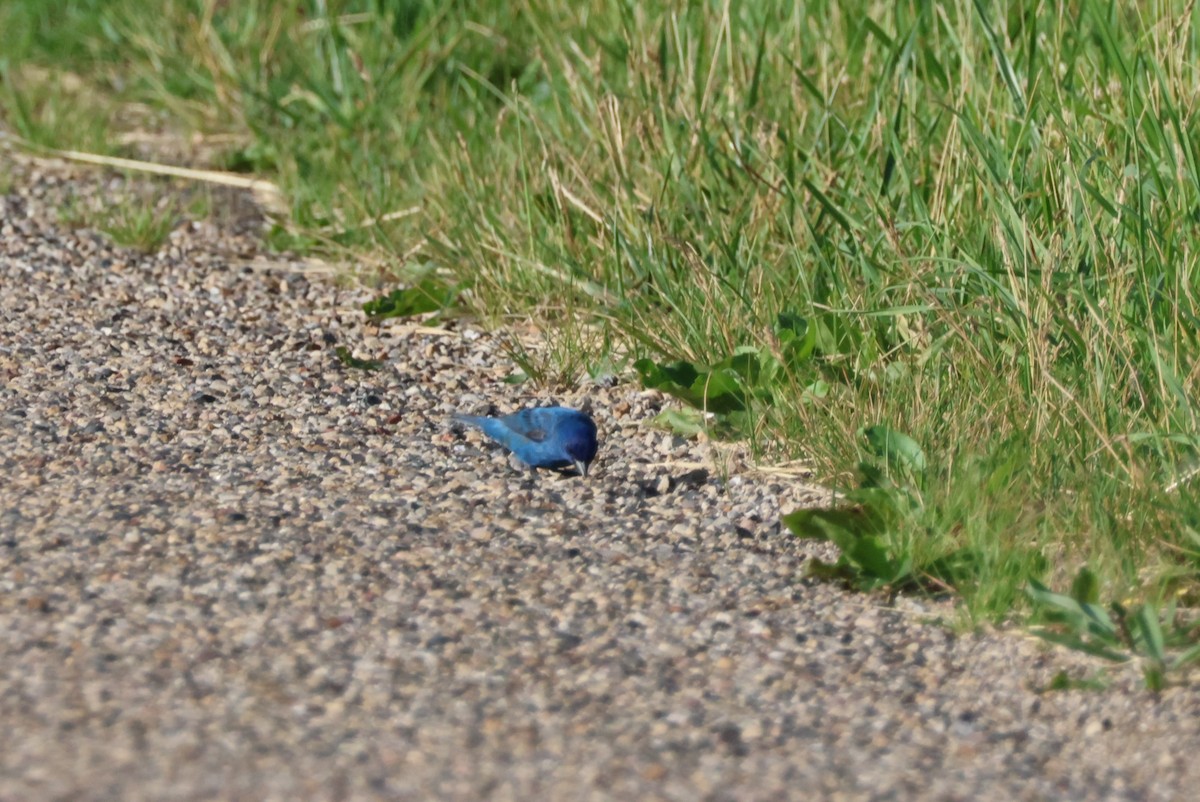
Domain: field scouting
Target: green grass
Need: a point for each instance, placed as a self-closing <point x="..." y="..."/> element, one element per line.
<point x="140" y="225"/>
<point x="138" y="217"/>
<point x="976" y="229"/>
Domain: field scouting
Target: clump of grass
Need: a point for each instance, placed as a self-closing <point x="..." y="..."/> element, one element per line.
<point x="970" y="227"/>
<point x="132" y="221"/>
<point x="558" y="355"/>
<point x="138" y="223"/>
<point x="1163" y="641"/>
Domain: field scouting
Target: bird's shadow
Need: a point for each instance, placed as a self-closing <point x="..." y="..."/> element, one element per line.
<point x="650" y="488"/>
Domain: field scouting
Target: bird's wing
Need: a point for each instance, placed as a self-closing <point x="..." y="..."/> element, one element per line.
<point x="531" y="424"/>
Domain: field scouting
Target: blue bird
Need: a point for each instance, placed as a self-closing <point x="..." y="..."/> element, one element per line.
<point x="543" y="437"/>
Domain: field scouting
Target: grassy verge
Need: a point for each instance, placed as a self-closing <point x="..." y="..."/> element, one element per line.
<point x="947" y="254"/>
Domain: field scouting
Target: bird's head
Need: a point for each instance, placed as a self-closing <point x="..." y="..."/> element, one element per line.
<point x="578" y="437"/>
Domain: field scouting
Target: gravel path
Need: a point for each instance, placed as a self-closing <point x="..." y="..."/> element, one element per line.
<point x="231" y="568"/>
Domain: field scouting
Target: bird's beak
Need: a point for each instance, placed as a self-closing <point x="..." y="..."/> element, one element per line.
<point x="581" y="466"/>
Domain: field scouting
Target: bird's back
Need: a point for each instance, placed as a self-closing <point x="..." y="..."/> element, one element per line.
<point x="549" y="437"/>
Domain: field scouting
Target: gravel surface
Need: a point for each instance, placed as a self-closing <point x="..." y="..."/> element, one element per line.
<point x="232" y="568"/>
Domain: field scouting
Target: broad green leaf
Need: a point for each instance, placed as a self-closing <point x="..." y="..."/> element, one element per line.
<point x="753" y="367"/>
<point x="897" y="448"/>
<point x="716" y="391"/>
<point x="830" y="571"/>
<point x="1083" y="618"/>
<point x="1187" y="657"/>
<point x="1098" y="621"/>
<point x="860" y="533"/>
<point x="720" y="391"/>
<point x="689" y="422"/>
<point x="1153" y="676"/>
<point x="1152" y="636"/>
<point x="1073" y="641"/>
<point x="833" y="336"/>
<point x="1085" y="589"/>
<point x="1059" y="603"/>
<point x="834" y="525"/>
<point x="815" y="391"/>
<point x="797" y="338"/>
<point x="429" y="295"/>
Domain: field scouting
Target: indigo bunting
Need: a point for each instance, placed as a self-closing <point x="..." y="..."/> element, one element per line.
<point x="543" y="437"/>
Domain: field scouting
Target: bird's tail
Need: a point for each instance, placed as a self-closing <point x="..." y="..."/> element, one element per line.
<point x="469" y="420"/>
